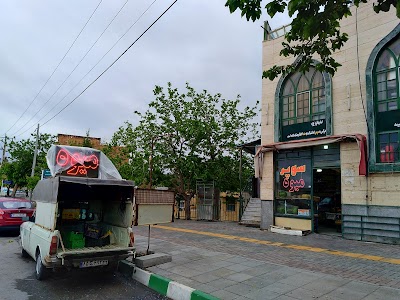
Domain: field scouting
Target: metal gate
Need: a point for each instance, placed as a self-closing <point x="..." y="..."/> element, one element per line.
<point x="208" y="201"/>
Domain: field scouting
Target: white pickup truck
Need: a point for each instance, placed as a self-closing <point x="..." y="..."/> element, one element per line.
<point x="80" y="222"/>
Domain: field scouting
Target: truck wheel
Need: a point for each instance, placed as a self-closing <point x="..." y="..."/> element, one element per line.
<point x="40" y="269"/>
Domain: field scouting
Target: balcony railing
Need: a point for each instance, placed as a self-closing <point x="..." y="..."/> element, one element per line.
<point x="270" y="34"/>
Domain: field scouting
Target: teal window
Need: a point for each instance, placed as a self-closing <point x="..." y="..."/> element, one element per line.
<point x="303" y="105"/>
<point x="387" y="103"/>
<point x="303" y="98"/>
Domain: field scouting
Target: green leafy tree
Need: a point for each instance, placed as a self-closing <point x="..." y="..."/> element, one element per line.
<point x="128" y="156"/>
<point x="184" y="137"/>
<point x="86" y="141"/>
<point x="18" y="167"/>
<point x="315" y="28"/>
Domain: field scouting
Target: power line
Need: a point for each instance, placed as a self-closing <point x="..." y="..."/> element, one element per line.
<point x="123" y="53"/>
<point x="48" y="79"/>
<point x="137" y="20"/>
<point x="69" y="75"/>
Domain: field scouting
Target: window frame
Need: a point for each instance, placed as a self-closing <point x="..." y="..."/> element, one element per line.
<point x="278" y="115"/>
<point x="371" y="75"/>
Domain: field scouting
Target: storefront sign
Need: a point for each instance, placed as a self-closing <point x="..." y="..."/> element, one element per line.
<point x="293" y="184"/>
<point x="77" y="161"/>
<point x="304" y="130"/>
<point x="388" y="120"/>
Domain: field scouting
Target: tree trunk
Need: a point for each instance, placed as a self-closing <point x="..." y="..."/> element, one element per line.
<point x="14" y="190"/>
<point x="187" y="206"/>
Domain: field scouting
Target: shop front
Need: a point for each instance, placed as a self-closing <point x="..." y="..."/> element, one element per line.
<point x="307" y="182"/>
<point x="307" y="188"/>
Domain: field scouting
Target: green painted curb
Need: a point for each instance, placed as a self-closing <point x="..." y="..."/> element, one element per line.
<point x="159" y="284"/>
<point x="199" y="295"/>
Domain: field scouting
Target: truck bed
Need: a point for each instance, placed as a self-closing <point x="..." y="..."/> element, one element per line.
<point x="97" y="250"/>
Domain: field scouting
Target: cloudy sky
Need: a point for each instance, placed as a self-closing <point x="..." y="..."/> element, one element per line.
<point x="198" y="42"/>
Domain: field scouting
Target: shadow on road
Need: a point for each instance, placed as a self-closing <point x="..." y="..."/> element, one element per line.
<point x="9" y="233"/>
<point x="84" y="284"/>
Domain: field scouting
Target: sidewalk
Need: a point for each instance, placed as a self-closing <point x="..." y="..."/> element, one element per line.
<point x="230" y="261"/>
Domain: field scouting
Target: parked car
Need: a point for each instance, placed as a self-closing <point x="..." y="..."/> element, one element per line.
<point x="3" y="191"/>
<point x="21" y="194"/>
<point x="13" y="212"/>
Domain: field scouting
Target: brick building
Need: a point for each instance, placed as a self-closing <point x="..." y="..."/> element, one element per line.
<point x="77" y="140"/>
<point x="329" y="158"/>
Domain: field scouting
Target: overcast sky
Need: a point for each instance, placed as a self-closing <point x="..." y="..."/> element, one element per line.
<point x="196" y="41"/>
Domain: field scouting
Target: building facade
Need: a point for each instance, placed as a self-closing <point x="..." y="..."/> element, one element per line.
<point x="77" y="140"/>
<point x="329" y="159"/>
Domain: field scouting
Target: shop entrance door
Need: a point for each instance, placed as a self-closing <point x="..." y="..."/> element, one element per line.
<point x="327" y="200"/>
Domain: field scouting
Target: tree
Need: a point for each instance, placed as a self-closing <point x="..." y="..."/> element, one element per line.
<point x="184" y="137"/>
<point x="315" y="29"/>
<point x="86" y="141"/>
<point x="128" y="155"/>
<point x="19" y="165"/>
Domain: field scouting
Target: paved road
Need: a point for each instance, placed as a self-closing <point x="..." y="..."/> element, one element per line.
<point x="237" y="262"/>
<point x="17" y="281"/>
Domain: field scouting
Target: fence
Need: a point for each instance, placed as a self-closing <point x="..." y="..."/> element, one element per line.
<point x="226" y="209"/>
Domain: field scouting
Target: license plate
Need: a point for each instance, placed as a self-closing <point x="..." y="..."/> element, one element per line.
<point x="93" y="263"/>
<point x="18" y="215"/>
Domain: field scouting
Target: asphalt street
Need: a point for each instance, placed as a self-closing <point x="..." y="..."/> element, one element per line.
<point x="18" y="281"/>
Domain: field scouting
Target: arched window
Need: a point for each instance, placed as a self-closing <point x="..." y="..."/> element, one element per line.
<point x="387" y="103"/>
<point x="303" y="98"/>
<point x="383" y="100"/>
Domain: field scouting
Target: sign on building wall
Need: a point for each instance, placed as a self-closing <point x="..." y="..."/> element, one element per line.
<point x="388" y="121"/>
<point x="304" y="130"/>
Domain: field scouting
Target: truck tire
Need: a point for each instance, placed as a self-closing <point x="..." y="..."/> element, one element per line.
<point x="40" y="269"/>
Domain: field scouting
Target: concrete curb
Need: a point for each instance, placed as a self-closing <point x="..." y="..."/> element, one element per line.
<point x="163" y="285"/>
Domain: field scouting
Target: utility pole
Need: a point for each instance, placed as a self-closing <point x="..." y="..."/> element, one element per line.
<point x="241" y="208"/>
<point x="4" y="150"/>
<point x="36" y="150"/>
<point x="151" y="162"/>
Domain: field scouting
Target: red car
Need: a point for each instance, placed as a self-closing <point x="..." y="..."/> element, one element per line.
<point x="13" y="212"/>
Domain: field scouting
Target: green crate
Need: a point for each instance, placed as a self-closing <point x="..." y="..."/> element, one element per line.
<point x="73" y="236"/>
<point x="75" y="244"/>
